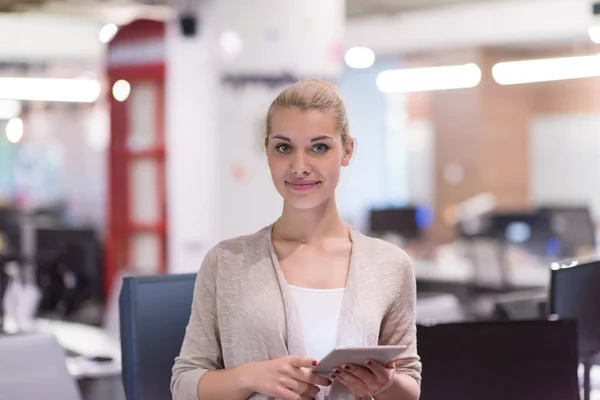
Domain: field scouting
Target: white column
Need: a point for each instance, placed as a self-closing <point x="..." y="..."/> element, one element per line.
<point x="266" y="44"/>
<point x="191" y="140"/>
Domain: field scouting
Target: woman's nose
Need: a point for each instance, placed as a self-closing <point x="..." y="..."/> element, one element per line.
<point x="299" y="166"/>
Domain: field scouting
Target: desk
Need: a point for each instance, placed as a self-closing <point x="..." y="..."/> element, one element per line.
<point x="464" y="273"/>
<point x="88" y="341"/>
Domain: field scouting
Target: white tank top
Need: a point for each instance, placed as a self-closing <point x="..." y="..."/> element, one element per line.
<point x="319" y="313"/>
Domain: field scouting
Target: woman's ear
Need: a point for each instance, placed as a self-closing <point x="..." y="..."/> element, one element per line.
<point x="348" y="151"/>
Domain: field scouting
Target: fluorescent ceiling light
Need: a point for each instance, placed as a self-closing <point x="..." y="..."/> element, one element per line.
<point x="359" y="57"/>
<point x="546" y="70"/>
<point x="47" y="89"/>
<point x="594" y="32"/>
<point x="432" y="78"/>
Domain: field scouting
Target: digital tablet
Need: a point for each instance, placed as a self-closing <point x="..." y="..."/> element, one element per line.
<point x="357" y="356"/>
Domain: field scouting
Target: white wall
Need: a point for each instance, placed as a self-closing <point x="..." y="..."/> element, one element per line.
<point x="364" y="182"/>
<point x="565" y="159"/>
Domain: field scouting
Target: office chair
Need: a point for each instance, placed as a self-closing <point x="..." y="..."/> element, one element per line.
<point x="516" y="360"/>
<point x="153" y="312"/>
<point x="33" y="367"/>
<point x="575" y="294"/>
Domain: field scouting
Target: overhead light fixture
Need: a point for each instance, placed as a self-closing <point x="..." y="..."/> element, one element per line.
<point x="121" y="90"/>
<point x="359" y="57"/>
<point x="50" y="89"/>
<point x="231" y="44"/>
<point x="428" y="79"/>
<point x="107" y="33"/>
<point x="546" y="70"/>
<point x="594" y="33"/>
<point x="9" y="109"/>
<point x="14" y="130"/>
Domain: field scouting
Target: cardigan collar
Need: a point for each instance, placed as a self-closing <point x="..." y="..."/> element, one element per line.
<point x="350" y="329"/>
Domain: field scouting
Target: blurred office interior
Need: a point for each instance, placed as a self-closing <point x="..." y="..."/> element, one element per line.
<point x="131" y="143"/>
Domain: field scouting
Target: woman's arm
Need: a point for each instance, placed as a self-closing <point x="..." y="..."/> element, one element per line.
<point x="399" y="328"/>
<point x="198" y="371"/>
<point x="225" y="384"/>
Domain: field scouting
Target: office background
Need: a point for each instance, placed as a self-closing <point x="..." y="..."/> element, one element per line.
<point x="138" y="146"/>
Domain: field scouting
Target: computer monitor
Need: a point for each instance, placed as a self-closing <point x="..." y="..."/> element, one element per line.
<point x="528" y="229"/>
<point x="574" y="229"/>
<point x="408" y="222"/>
<point x="69" y="269"/>
<point x="516" y="360"/>
<point x="575" y="293"/>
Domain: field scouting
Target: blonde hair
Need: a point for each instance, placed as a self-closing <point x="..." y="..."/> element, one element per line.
<point x="311" y="94"/>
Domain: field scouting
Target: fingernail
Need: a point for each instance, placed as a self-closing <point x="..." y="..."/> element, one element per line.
<point x="314" y="363"/>
<point x="347" y="367"/>
<point x="332" y="376"/>
<point x="337" y="371"/>
<point x="369" y="363"/>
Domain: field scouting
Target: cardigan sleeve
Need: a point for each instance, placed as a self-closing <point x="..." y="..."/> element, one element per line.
<point x="201" y="348"/>
<point x="399" y="325"/>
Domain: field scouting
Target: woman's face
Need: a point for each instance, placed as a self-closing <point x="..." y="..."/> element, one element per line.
<point x="305" y="154"/>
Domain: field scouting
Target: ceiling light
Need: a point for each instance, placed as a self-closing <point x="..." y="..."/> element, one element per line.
<point x="231" y="44"/>
<point x="431" y="78"/>
<point x="359" y="57"/>
<point x="594" y="32"/>
<point x="546" y="70"/>
<point x="121" y="90"/>
<point x="49" y="89"/>
<point x="14" y="130"/>
<point x="107" y="33"/>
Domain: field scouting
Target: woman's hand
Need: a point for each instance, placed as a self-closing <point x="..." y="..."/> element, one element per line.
<point x="368" y="381"/>
<point x="287" y="378"/>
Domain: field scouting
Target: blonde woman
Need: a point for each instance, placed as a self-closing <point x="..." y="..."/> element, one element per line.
<point x="268" y="306"/>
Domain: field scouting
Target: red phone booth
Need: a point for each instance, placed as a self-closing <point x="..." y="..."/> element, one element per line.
<point x="136" y="227"/>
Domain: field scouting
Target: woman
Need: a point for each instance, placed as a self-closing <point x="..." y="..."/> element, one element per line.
<point x="269" y="305"/>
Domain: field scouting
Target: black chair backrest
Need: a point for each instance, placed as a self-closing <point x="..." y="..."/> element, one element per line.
<point x="154" y="312"/>
<point x="516" y="360"/>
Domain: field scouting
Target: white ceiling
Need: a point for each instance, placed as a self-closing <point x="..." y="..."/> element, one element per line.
<point x="355" y="8"/>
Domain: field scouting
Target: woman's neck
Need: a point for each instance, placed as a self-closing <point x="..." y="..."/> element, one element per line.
<point x="310" y="225"/>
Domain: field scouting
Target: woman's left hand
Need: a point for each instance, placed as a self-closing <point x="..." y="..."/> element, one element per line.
<point x="365" y="381"/>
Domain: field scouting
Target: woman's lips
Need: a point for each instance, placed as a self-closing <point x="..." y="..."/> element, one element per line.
<point x="303" y="186"/>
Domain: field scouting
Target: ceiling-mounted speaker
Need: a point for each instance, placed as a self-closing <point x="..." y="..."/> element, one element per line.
<point x="188" y="22"/>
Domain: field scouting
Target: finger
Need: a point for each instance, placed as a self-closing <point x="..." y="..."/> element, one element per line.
<point x="294" y="384"/>
<point x="351" y="382"/>
<point x="392" y="364"/>
<point x="364" y="374"/>
<point x="364" y="384"/>
<point x="381" y="372"/>
<point x="300" y="387"/>
<point x="306" y="375"/>
<point x="286" y="394"/>
<point x="304" y="362"/>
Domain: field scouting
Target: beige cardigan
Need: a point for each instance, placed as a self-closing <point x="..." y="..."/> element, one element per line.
<point x="243" y="310"/>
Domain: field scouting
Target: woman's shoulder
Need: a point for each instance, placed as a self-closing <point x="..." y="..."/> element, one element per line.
<point x="383" y="252"/>
<point x="240" y="249"/>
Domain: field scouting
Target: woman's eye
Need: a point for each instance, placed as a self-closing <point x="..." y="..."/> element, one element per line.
<point x="283" y="148"/>
<point x="320" y="148"/>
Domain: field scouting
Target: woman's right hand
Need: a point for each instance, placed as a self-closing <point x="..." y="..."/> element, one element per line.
<point x="287" y="378"/>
